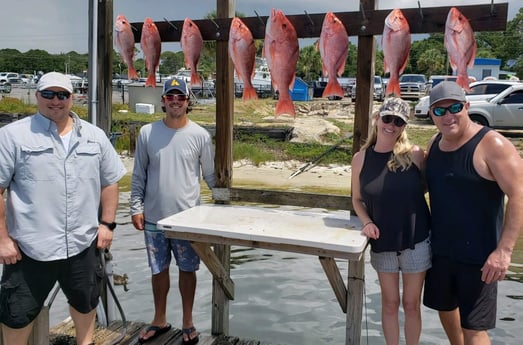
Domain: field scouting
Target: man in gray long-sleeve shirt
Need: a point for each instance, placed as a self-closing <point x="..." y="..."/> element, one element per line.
<point x="171" y="155"/>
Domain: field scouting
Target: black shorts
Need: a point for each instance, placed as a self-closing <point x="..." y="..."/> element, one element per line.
<point x="450" y="284"/>
<point x="26" y="285"/>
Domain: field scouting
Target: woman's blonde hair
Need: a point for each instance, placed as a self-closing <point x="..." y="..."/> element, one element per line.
<point x="401" y="153"/>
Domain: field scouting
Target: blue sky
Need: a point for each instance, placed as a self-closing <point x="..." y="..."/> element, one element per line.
<point x="62" y="25"/>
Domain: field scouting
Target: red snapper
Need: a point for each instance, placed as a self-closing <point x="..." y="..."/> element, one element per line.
<point x="151" y="44"/>
<point x="333" y="45"/>
<point x="460" y="44"/>
<point x="125" y="44"/>
<point x="192" y="44"/>
<point x="243" y="54"/>
<point x="281" y="49"/>
<point x="396" y="49"/>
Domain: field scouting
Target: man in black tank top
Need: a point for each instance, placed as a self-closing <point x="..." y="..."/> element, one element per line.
<point x="469" y="170"/>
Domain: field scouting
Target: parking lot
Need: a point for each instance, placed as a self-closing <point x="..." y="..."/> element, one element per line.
<point x="27" y="95"/>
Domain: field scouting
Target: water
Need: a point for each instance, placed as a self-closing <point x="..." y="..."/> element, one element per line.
<point x="280" y="298"/>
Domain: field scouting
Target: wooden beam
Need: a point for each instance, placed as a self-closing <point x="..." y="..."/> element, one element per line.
<point x="333" y="202"/>
<point x="219" y="272"/>
<point x="333" y="275"/>
<point x="425" y="20"/>
<point x="293" y="248"/>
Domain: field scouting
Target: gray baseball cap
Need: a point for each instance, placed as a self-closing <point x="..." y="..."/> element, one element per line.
<point x="447" y="90"/>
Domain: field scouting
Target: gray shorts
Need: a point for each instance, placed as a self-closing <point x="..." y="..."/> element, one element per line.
<point x="414" y="260"/>
<point x="159" y="249"/>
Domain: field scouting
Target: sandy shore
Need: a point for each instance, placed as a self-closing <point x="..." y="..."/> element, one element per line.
<point x="326" y="179"/>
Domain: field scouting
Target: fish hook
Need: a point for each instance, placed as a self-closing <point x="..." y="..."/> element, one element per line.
<point x="310" y="19"/>
<point x="257" y="15"/>
<point x="364" y="21"/>
<point x="171" y="24"/>
<point x="421" y="11"/>
<point x="215" y="24"/>
<point x="218" y="34"/>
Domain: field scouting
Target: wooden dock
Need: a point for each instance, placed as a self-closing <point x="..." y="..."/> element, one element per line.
<point x="63" y="334"/>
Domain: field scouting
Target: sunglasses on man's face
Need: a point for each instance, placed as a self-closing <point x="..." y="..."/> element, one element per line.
<point x="48" y="94"/>
<point x="174" y="97"/>
<point x="398" y="121"/>
<point x="453" y="109"/>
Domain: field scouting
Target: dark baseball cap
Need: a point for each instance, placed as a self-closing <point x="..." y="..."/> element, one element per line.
<point x="175" y="84"/>
<point x="447" y="90"/>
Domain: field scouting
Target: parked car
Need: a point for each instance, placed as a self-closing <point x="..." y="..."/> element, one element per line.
<point x="479" y="90"/>
<point x="378" y="90"/>
<point x="27" y="79"/>
<point x="9" y="77"/>
<point x="413" y="86"/>
<point x="5" y="87"/>
<point x="504" y="111"/>
<point x="484" y="89"/>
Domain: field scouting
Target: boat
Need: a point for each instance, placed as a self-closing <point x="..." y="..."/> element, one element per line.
<point x="261" y="80"/>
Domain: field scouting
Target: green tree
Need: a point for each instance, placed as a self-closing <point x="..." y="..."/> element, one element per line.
<point x="431" y="61"/>
<point x="309" y="65"/>
<point x="352" y="61"/>
<point x="171" y="62"/>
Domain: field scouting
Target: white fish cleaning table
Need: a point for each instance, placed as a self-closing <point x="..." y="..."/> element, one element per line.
<point x="326" y="235"/>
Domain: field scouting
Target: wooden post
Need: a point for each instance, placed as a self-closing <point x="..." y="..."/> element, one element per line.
<point x="223" y="158"/>
<point x="40" y="333"/>
<point x="100" y="89"/>
<point x="364" y="78"/>
<point x="355" y="287"/>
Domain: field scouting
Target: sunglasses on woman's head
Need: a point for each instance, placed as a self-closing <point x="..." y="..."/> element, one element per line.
<point x="174" y="97"/>
<point x="49" y="94"/>
<point x="398" y="121"/>
<point x="453" y="109"/>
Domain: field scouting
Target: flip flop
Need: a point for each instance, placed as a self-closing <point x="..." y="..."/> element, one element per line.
<point x="157" y="332"/>
<point x="188" y="332"/>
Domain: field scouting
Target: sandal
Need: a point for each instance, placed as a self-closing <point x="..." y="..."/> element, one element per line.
<point x="157" y="332"/>
<point x="188" y="332"/>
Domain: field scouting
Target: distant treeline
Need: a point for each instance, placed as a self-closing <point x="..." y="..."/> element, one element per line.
<point x="427" y="56"/>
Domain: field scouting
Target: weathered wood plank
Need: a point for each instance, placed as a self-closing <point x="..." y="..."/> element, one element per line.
<point x="64" y="333"/>
<point x="220" y="313"/>
<point x="40" y="333"/>
<point x="269" y="246"/>
<point x="425" y="20"/>
<point x="214" y="265"/>
<point x="356" y="285"/>
<point x="336" y="281"/>
<point x="364" y="90"/>
<point x="328" y="201"/>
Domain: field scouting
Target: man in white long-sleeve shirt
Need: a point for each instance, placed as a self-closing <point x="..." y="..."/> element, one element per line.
<point x="171" y="157"/>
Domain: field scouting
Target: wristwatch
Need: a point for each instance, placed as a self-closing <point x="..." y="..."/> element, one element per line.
<point x="110" y="226"/>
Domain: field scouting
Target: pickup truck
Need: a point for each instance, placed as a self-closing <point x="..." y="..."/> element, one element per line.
<point x="378" y="91"/>
<point x="413" y="86"/>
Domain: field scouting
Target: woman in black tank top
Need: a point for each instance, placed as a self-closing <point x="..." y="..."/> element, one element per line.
<point x="388" y="196"/>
